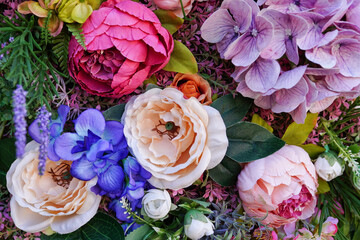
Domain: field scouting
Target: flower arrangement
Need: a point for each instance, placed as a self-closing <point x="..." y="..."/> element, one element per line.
<point x="180" y="119"/>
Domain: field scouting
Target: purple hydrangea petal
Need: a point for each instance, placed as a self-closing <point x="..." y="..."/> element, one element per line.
<point x="264" y="30"/>
<point x="112" y="180"/>
<point x="243" y="51"/>
<point x="299" y="114"/>
<point x="64" y="145"/>
<point x="321" y="56"/>
<point x="264" y="102"/>
<point x="97" y="149"/>
<point x="340" y="83"/>
<point x="137" y="192"/>
<point x="92" y="120"/>
<point x="82" y="169"/>
<point x="353" y="13"/>
<point x="292" y="50"/>
<point x="241" y="12"/>
<point x="347" y="53"/>
<point x="262" y="75"/>
<point x="113" y="132"/>
<point x="290" y="78"/>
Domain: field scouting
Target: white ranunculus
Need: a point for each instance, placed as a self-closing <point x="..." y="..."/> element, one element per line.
<point x="53" y="200"/>
<point x="156" y="203"/>
<point x="328" y="167"/>
<point x="197" y="229"/>
<point x="174" y="138"/>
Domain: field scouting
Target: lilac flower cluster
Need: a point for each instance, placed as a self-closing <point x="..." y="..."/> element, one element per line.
<point x="19" y="109"/>
<point x="44" y="119"/>
<point x="264" y="46"/>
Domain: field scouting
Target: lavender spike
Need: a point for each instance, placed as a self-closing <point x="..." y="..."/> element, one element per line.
<point x="44" y="118"/>
<point x="19" y="109"/>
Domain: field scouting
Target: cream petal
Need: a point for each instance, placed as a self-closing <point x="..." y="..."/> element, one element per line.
<point x="27" y="220"/>
<point x="70" y="223"/>
<point x="217" y="140"/>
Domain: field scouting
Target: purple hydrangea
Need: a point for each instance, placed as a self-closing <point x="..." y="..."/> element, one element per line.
<point x="19" y="109"/>
<point x="95" y="148"/>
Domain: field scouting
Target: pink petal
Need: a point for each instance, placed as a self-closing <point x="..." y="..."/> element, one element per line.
<point x="134" y="50"/>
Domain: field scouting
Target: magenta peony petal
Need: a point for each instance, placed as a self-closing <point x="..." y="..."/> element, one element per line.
<point x="124" y="32"/>
<point x="134" y="50"/>
<point x="99" y="42"/>
<point x="133" y="9"/>
<point x="262" y="75"/>
<point x="95" y="20"/>
<point x="154" y="42"/>
<point x="91" y="85"/>
<point x="114" y="15"/>
<point x="125" y="72"/>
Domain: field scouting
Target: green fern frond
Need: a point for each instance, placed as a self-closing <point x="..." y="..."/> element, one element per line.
<point x="76" y="31"/>
<point x="60" y="49"/>
<point x="45" y="34"/>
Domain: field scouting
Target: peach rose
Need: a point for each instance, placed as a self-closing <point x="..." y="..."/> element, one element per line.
<point x="175" y="6"/>
<point x="193" y="85"/>
<point x="53" y="200"/>
<point x="281" y="187"/>
<point x="174" y="138"/>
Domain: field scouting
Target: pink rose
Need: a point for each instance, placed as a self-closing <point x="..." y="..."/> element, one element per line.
<point x="125" y="45"/>
<point x="175" y="6"/>
<point x="281" y="187"/>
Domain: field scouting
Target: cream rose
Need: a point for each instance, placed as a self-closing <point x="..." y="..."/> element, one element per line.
<point x="174" y="138"/>
<point x="53" y="200"/>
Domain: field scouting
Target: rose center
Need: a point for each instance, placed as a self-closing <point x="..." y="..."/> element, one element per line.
<point x="169" y="128"/>
<point x="292" y="207"/>
<point x="61" y="175"/>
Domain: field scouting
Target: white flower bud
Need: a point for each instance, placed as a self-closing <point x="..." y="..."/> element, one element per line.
<point x="197" y="225"/>
<point x="328" y="166"/>
<point x="156" y="203"/>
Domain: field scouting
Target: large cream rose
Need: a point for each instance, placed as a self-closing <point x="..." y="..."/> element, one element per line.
<point x="174" y="138"/>
<point x="38" y="202"/>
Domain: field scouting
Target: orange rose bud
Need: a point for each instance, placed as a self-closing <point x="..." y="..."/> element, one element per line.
<point x="193" y="85"/>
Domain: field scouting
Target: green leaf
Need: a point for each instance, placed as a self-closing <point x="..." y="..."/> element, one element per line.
<point x="114" y="113"/>
<point x="297" y="134"/>
<point x="169" y="20"/>
<point x="261" y="122"/>
<point x="151" y="86"/>
<point x="100" y="227"/>
<point x="7" y="153"/>
<point x="312" y="149"/>
<point x="181" y="60"/>
<point x="323" y="186"/>
<point x="232" y="109"/>
<point x="2" y="178"/>
<point x="355" y="148"/>
<point x="249" y="142"/>
<point x="139" y="233"/>
<point x="226" y="172"/>
<point x="76" y="31"/>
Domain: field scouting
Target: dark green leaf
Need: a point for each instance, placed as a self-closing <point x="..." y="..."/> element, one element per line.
<point x="226" y="172"/>
<point x="7" y="153"/>
<point x="249" y="142"/>
<point x="151" y="86"/>
<point x="232" y="109"/>
<point x="2" y="178"/>
<point x="139" y="233"/>
<point x="114" y="113"/>
<point x="100" y="227"/>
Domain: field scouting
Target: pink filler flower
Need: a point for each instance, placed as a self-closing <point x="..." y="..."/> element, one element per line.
<point x="280" y="188"/>
<point x="125" y="45"/>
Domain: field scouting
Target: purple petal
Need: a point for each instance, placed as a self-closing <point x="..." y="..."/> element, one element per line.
<point x="97" y="149"/>
<point x="353" y="13"/>
<point x="92" y="120"/>
<point x="51" y="151"/>
<point x="322" y="56"/>
<point x="34" y="130"/>
<point x="340" y="83"/>
<point x="245" y="91"/>
<point x="292" y="50"/>
<point x="112" y="180"/>
<point x="241" y="12"/>
<point x="63" y="112"/>
<point x="347" y="53"/>
<point x="65" y="143"/>
<point x="290" y="78"/>
<point x="265" y="32"/>
<point x="113" y="132"/>
<point x="263" y="74"/>
<point x="299" y="114"/>
<point x="217" y="26"/>
<point x="264" y="102"/>
<point x="82" y="169"/>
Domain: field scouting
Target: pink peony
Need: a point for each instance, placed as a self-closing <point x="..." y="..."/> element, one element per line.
<point x="279" y="188"/>
<point x="125" y="45"/>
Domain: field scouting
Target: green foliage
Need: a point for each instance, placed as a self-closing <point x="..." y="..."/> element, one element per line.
<point x="169" y="20"/>
<point x="141" y="233"/>
<point x="5" y="101"/>
<point x="61" y="50"/>
<point x="76" y="31"/>
<point x="45" y="34"/>
<point x="100" y="227"/>
<point x="7" y="157"/>
<point x="29" y="60"/>
<point x="261" y="122"/>
<point x="182" y="60"/>
<point x="249" y="142"/>
<point x="296" y="133"/>
<point x="114" y="113"/>
<point x="226" y="172"/>
<point x="232" y="109"/>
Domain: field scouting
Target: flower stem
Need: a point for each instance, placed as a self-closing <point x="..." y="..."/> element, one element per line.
<point x="2" y="127"/>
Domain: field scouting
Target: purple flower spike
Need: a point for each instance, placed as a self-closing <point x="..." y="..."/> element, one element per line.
<point x="44" y="119"/>
<point x="19" y="108"/>
<point x="287" y="29"/>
